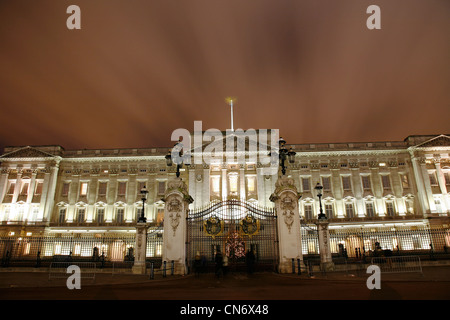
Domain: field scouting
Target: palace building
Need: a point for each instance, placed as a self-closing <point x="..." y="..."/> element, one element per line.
<point x="393" y="186"/>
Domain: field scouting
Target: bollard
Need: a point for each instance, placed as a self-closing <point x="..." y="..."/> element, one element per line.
<point x="164" y="270"/>
<point x="152" y="271"/>
<point x="293" y="266"/>
<point x="310" y="269"/>
<point x="299" y="267"/>
<point x="172" y="267"/>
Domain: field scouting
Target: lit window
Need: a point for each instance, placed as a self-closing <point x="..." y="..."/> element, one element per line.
<point x="233" y="183"/>
<point x="405" y="182"/>
<point x="251" y="184"/>
<point x="100" y="215"/>
<point x="83" y="188"/>
<point x="215" y="182"/>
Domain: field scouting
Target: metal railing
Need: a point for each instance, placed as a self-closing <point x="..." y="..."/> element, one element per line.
<point x="58" y="270"/>
<point x="398" y="264"/>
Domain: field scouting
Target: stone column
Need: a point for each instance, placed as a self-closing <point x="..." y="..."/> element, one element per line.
<point x="326" y="262"/>
<point x="177" y="201"/>
<point x="286" y="198"/>
<point x="140" y="248"/>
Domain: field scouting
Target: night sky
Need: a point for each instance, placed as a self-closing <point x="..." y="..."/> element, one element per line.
<point x="137" y="70"/>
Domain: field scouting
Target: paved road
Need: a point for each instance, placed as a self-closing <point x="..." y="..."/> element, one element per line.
<point x="433" y="285"/>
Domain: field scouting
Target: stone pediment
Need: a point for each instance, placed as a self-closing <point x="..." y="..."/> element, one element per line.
<point x="27" y="152"/>
<point x="439" y="141"/>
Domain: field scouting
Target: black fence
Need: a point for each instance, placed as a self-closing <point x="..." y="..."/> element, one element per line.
<point x="356" y="244"/>
<point x="105" y="250"/>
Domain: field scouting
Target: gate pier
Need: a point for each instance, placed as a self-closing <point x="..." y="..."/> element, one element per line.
<point x="177" y="201"/>
<point x="286" y="198"/>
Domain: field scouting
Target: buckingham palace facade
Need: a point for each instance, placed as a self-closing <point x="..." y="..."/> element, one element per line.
<point x="395" y="185"/>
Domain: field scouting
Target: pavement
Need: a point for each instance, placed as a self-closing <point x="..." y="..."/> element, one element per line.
<point x="267" y="295"/>
<point x="432" y="284"/>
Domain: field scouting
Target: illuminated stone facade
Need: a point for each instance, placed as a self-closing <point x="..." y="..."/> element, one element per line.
<point x="46" y="189"/>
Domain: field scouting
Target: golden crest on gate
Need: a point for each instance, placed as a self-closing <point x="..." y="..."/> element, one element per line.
<point x="213" y="226"/>
<point x="249" y="225"/>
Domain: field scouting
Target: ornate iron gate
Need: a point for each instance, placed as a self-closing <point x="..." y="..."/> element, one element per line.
<point x="234" y="228"/>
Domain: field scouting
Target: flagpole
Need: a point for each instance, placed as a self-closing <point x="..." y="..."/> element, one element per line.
<point x="230" y="101"/>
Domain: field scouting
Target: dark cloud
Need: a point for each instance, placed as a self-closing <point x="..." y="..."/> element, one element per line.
<point x="140" y="69"/>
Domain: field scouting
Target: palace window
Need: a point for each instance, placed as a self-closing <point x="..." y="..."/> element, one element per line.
<point x="161" y="188"/>
<point x="433" y="179"/>
<point x="83" y="188"/>
<point x="346" y="184"/>
<point x="305" y="185"/>
<point x="370" y="212"/>
<point x="62" y="215"/>
<point x="80" y="215"/>
<point x="233" y="183"/>
<point x="251" y="184"/>
<point x="120" y="215"/>
<point x="349" y="210"/>
<point x="385" y="181"/>
<point x="102" y="188"/>
<point x="447" y="178"/>
<point x="24" y="190"/>
<point x="366" y="182"/>
<point x="215" y="185"/>
<point x="122" y="188"/>
<point x="39" y="187"/>
<point x="390" y="210"/>
<point x="329" y="210"/>
<point x="100" y="215"/>
<point x="65" y="189"/>
<point x="12" y="186"/>
<point x="405" y="181"/>
<point x="308" y="211"/>
<point x="326" y="184"/>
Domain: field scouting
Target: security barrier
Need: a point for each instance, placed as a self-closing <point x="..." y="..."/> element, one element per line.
<point x="398" y="264"/>
<point x="58" y="270"/>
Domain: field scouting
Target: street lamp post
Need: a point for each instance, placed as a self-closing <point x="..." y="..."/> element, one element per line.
<point x="142" y="218"/>
<point x="319" y="189"/>
<point x="284" y="154"/>
<point x="177" y="150"/>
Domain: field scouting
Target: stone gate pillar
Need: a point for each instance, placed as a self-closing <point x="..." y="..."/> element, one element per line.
<point x="286" y="198"/>
<point x="177" y="201"/>
<point x="140" y="248"/>
<point x="326" y="262"/>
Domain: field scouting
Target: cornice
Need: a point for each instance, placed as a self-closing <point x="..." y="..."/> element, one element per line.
<point x="115" y="159"/>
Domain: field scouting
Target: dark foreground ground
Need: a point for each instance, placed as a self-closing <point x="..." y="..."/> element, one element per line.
<point x="279" y="294"/>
